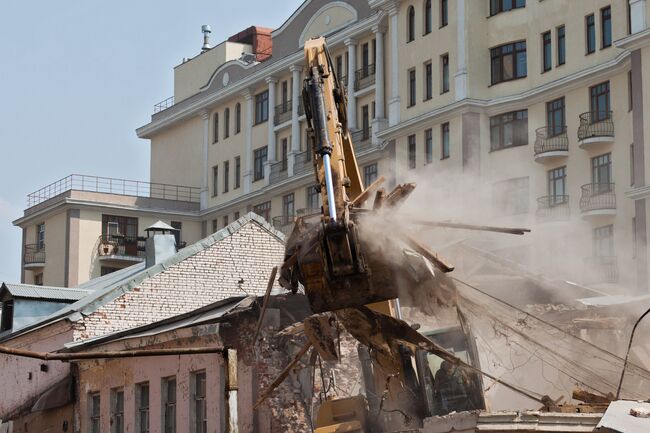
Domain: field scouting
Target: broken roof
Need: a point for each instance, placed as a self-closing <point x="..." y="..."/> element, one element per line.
<point x="106" y="289"/>
<point x="618" y="417"/>
<point x="44" y="293"/>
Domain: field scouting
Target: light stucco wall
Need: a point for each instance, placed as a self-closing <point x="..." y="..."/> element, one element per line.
<point x="177" y="154"/>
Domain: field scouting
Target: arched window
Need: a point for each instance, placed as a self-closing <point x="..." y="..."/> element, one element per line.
<point x="237" y="118"/>
<point x="410" y="24"/>
<point x="428" y="18"/>
<point x="226" y="123"/>
<point x="215" y="128"/>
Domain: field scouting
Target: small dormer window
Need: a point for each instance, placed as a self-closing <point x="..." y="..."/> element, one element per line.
<point x="7" y="318"/>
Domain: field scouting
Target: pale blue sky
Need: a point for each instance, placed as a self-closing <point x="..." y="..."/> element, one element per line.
<point x="78" y="77"/>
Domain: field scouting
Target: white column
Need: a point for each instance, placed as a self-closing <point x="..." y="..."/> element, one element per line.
<point x="379" y="122"/>
<point x="638" y="13"/>
<point x="394" y="105"/>
<point x="296" y="97"/>
<point x="272" y="151"/>
<point x="352" y="68"/>
<point x="460" y="78"/>
<point x="248" y="134"/>
<point x="206" y="168"/>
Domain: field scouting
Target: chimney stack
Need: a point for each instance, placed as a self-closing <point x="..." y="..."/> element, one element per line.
<point x="206" y="37"/>
<point x="161" y="243"/>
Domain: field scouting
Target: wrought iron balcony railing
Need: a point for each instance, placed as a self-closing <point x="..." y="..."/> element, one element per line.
<point x="278" y="172"/>
<point x="282" y="113"/>
<point x="34" y="254"/>
<point x="302" y="162"/>
<point x="364" y="77"/>
<point x="598" y="196"/>
<point x="116" y="246"/>
<point x="553" y="208"/>
<point x="551" y="139"/>
<point x="601" y="269"/>
<point x="108" y="185"/>
<point x="163" y="105"/>
<point x="596" y="124"/>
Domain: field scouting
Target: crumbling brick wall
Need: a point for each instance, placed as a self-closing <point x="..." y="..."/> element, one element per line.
<point x="237" y="265"/>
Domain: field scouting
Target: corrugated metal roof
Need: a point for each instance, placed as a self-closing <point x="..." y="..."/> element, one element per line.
<point x="44" y="292"/>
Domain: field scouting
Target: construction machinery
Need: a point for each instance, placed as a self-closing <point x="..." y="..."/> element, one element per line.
<point x="354" y="265"/>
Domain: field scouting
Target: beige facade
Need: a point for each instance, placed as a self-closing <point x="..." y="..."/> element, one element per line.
<point x="531" y="111"/>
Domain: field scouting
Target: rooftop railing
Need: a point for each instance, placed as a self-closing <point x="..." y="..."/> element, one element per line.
<point x="163" y="105"/>
<point x="108" y="185"/>
<point x="596" y="124"/>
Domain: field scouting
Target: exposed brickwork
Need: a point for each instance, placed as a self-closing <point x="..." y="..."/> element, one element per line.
<point x="237" y="265"/>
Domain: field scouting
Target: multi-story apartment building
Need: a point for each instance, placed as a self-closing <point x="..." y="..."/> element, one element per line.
<point x="534" y="107"/>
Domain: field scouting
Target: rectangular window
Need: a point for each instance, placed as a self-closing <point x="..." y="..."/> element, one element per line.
<point x="606" y="27"/>
<point x="628" y="12"/>
<point x="428" y="17"/>
<point x="117" y="411"/>
<point x="561" y="45"/>
<point x="40" y="236"/>
<point x="38" y="279"/>
<point x="365" y="58"/>
<point x="226" y="123"/>
<point x="94" y="412"/>
<point x="557" y="186"/>
<point x="339" y="67"/>
<point x="215" y="181"/>
<point x="365" y="122"/>
<point x="237" y="118"/>
<point x="631" y="164"/>
<point x="169" y="404"/>
<point x="555" y="117"/>
<point x="498" y="6"/>
<point x="288" y="205"/>
<point x="121" y="226"/>
<point x="411" y="87"/>
<point x="599" y="102"/>
<point x="509" y="130"/>
<point x="262" y="107"/>
<point x="428" y="145"/>
<point x="215" y="128"/>
<point x="444" y="13"/>
<point x="7" y="316"/>
<point x="590" y="28"/>
<point x="263" y="210"/>
<point x="225" y="221"/>
<point x="215" y="226"/>
<point x="259" y="160"/>
<point x="370" y="174"/>
<point x="444" y="140"/>
<point x="312" y="198"/>
<point x="428" y="81"/>
<point x="285" y="153"/>
<point x="604" y="241"/>
<point x="547" y="53"/>
<point x="285" y="96"/>
<point x="237" y="171"/>
<point x="226" y="176"/>
<point x="199" y="408"/>
<point x="142" y="408"/>
<point x="412" y="151"/>
<point x="601" y="173"/>
<point x="509" y="62"/>
<point x="179" y="231"/>
<point x="236" y="215"/>
<point x="444" y="61"/>
<point x="512" y="196"/>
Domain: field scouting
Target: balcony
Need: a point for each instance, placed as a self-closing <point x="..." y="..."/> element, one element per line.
<point x="598" y="199"/>
<point x="364" y="77"/>
<point x="595" y="128"/>
<point x="121" y="248"/>
<point x="303" y="162"/>
<point x="551" y="143"/>
<point x="282" y="113"/>
<point x="601" y="270"/>
<point x="362" y="139"/>
<point x="278" y="172"/>
<point x="553" y="208"/>
<point x="34" y="256"/>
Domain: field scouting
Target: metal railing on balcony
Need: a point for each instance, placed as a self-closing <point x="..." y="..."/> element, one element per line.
<point x="34" y="254"/>
<point x="116" y="246"/>
<point x="551" y="139"/>
<point x="303" y="162"/>
<point x="163" y="105"/>
<point x="596" y="124"/>
<point x="108" y="185"/>
<point x="601" y="269"/>
<point x="362" y="139"/>
<point x="282" y="113"/>
<point x="598" y="196"/>
<point x="364" y="77"/>
<point x="553" y="208"/>
<point x="279" y="172"/>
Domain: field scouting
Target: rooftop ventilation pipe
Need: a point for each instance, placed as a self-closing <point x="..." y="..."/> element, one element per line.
<point x="206" y="37"/>
<point x="161" y="243"/>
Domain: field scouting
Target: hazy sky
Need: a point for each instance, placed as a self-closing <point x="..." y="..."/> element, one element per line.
<point x="78" y="77"/>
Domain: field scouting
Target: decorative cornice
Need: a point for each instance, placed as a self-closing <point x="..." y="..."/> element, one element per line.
<point x="294" y="68"/>
<point x="634" y="41"/>
<point x="350" y="42"/>
<point x="271" y="80"/>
